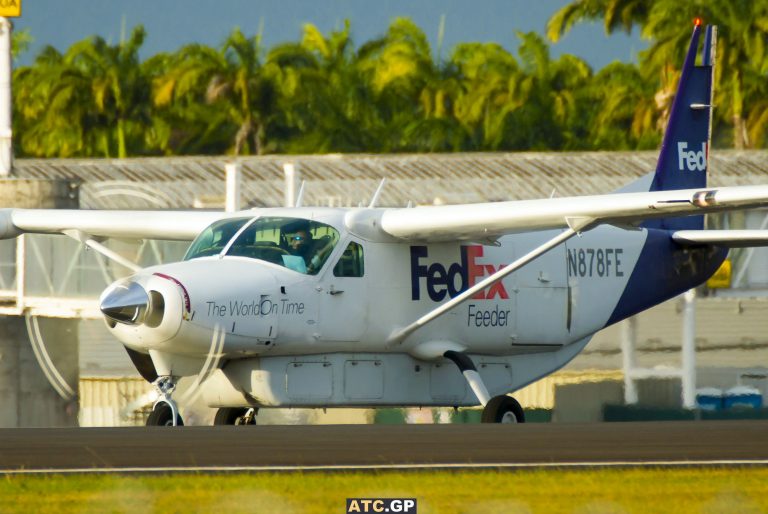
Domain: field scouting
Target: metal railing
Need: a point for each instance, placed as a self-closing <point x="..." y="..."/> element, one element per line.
<point x="55" y="276"/>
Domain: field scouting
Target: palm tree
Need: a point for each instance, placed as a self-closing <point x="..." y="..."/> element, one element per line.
<point x="233" y="79"/>
<point x="757" y="121"/>
<point x="399" y="69"/>
<point x="53" y="115"/>
<point x="624" y="111"/>
<point x="490" y="78"/>
<point x="20" y="42"/>
<point x="325" y="104"/>
<point x="92" y="100"/>
<point x="743" y="60"/>
<point x="119" y="91"/>
<point x="742" y="67"/>
<point x="551" y="89"/>
<point x="184" y="123"/>
<point x="616" y="14"/>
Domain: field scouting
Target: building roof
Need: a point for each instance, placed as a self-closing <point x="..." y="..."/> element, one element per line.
<point x="347" y="180"/>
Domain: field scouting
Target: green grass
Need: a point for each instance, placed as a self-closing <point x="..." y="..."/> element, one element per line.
<point x="697" y="490"/>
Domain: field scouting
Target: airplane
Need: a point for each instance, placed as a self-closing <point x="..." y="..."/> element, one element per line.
<point x="435" y="306"/>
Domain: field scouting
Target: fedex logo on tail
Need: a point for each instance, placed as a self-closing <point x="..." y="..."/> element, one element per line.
<point x="691" y="160"/>
<point x="456" y="278"/>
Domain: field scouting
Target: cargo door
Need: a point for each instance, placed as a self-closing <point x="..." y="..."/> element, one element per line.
<point x="543" y="316"/>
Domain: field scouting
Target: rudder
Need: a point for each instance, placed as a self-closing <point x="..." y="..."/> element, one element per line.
<point x="684" y="157"/>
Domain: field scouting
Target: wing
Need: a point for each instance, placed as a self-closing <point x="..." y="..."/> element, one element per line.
<point x="174" y="225"/>
<point x="728" y="238"/>
<point x="491" y="220"/>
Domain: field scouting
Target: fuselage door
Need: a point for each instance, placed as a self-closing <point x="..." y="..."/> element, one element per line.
<point x="543" y="316"/>
<point x="343" y="295"/>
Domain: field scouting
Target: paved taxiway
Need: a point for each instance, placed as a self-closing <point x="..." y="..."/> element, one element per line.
<point x="278" y="447"/>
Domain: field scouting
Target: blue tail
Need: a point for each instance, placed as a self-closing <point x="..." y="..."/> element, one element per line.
<point x="664" y="269"/>
<point x="684" y="156"/>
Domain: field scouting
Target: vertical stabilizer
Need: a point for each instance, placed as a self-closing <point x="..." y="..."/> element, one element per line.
<point x="684" y="156"/>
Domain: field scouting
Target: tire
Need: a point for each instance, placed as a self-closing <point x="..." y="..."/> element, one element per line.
<point x="503" y="409"/>
<point x="229" y="415"/>
<point x="162" y="416"/>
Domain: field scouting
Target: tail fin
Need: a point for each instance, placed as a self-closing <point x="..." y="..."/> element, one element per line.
<point x="684" y="156"/>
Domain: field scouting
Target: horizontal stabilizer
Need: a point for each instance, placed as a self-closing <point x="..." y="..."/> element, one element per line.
<point x="727" y="238"/>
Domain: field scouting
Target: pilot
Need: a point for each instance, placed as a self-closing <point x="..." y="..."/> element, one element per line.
<point x="301" y="243"/>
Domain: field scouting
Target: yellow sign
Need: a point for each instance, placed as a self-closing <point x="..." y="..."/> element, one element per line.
<point x="10" y="8"/>
<point x="722" y="277"/>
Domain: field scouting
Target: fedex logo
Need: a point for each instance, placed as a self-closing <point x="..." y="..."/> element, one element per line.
<point x="691" y="160"/>
<point x="457" y="278"/>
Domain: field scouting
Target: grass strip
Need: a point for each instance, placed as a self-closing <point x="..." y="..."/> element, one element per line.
<point x="633" y="490"/>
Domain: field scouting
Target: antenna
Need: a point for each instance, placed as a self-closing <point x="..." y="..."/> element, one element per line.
<point x="260" y="32"/>
<point x="300" y="196"/>
<point x="440" y="38"/>
<point x="377" y="194"/>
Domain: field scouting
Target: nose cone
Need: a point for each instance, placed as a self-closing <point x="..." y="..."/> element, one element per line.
<point x="125" y="303"/>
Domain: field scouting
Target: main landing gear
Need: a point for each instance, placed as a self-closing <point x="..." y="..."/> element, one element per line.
<point x="235" y="416"/>
<point x="503" y="409"/>
<point x="165" y="413"/>
<point x="499" y="409"/>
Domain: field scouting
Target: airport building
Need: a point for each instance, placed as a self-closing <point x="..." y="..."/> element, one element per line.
<point x="59" y="366"/>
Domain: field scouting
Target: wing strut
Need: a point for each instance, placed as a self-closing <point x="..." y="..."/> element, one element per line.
<point x="574" y="228"/>
<point x="91" y="243"/>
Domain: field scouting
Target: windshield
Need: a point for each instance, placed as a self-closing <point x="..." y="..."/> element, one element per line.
<point x="214" y="238"/>
<point x="297" y="244"/>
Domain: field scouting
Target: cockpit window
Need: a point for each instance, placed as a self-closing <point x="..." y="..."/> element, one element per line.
<point x="214" y="238"/>
<point x="297" y="244"/>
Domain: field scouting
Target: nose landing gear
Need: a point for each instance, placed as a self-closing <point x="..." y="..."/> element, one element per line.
<point x="165" y="413"/>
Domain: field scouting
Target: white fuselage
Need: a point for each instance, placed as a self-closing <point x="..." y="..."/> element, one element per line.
<point x="323" y="340"/>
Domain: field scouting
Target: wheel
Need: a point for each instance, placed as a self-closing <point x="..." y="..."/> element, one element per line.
<point x="503" y="409"/>
<point x="229" y="415"/>
<point x="235" y="416"/>
<point x="162" y="416"/>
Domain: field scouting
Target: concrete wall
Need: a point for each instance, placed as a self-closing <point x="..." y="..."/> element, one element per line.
<point x="660" y="392"/>
<point x="27" y="398"/>
<point x="583" y="403"/>
<point x="114" y="401"/>
<point x="39" y="194"/>
<point x="730" y="332"/>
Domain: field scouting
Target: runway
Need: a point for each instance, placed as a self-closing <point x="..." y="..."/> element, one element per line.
<point x="382" y="446"/>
